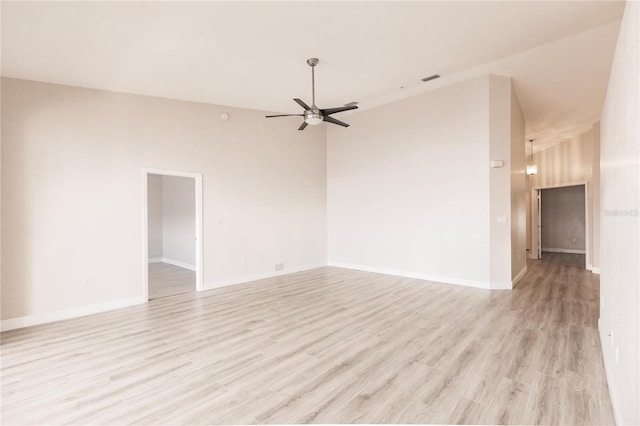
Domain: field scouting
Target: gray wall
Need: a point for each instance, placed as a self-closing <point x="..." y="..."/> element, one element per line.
<point x="171" y="218"/>
<point x="154" y="216"/>
<point x="178" y="219"/>
<point x="563" y="219"/>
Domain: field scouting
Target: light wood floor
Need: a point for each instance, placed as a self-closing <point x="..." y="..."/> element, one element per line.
<point x="328" y="345"/>
<point x="169" y="280"/>
<point x="573" y="260"/>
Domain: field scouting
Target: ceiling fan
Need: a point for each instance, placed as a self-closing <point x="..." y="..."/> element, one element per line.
<point x="312" y="114"/>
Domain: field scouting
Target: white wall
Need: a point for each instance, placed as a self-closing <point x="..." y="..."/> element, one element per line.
<point x="72" y="161"/>
<point x="563" y="219"/>
<point x="409" y="185"/>
<point x="620" y="222"/>
<point x="178" y="220"/>
<point x="154" y="216"/>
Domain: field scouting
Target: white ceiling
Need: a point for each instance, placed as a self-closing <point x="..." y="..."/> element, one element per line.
<point x="252" y="54"/>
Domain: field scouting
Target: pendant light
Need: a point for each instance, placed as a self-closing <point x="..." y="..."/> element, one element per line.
<point x="532" y="169"/>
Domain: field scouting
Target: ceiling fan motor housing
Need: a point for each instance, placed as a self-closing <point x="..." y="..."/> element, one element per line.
<point x="313" y="116"/>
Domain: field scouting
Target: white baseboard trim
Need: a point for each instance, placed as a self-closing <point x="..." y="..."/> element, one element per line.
<point x="255" y="277"/>
<point x="173" y="262"/>
<point x="505" y="285"/>
<point x="80" y="311"/>
<point x="595" y="270"/>
<point x="418" y="275"/>
<point x="518" y="277"/>
<point x="612" y="391"/>
<point x="561" y="250"/>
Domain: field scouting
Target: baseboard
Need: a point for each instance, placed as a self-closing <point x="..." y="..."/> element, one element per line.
<point x="173" y="262"/>
<point x="418" y="275"/>
<point x="505" y="285"/>
<point x="80" y="311"/>
<point x="261" y="276"/>
<point x="595" y="270"/>
<point x="561" y="250"/>
<point x="589" y="267"/>
<point x="612" y="391"/>
<point x="518" y="277"/>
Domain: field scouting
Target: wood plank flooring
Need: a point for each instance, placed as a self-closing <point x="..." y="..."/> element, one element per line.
<point x="324" y="346"/>
<point x="169" y="280"/>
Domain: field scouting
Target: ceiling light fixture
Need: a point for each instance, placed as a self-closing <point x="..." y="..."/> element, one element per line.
<point x="532" y="169"/>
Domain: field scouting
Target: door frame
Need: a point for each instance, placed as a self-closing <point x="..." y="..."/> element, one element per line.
<point x="145" y="225"/>
<point x="536" y="215"/>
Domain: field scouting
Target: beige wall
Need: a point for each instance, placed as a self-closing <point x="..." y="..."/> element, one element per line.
<point x="563" y="219"/>
<point x="620" y="223"/>
<point x="178" y="219"/>
<point x="507" y="184"/>
<point x="518" y="190"/>
<point x="566" y="163"/>
<point x="409" y="186"/>
<point x="500" y="181"/>
<point x="594" y="190"/>
<point x="72" y="163"/>
<point x="154" y="216"/>
<point x="405" y="186"/>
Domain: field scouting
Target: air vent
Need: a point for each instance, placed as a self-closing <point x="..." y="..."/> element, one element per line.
<point x="352" y="103"/>
<point x="431" y="77"/>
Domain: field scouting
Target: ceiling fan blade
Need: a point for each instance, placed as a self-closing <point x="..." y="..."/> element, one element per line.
<point x="302" y="104"/>
<point x="330" y="111"/>
<point x="285" y="115"/>
<point x="303" y="125"/>
<point x="334" y="121"/>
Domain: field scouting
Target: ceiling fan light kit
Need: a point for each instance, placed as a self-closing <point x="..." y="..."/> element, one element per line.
<point x="312" y="114"/>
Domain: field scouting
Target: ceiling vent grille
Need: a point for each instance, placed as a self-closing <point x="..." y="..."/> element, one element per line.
<point x="431" y="77"/>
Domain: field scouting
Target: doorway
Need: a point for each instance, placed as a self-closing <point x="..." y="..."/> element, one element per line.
<point x="172" y="233"/>
<point x="560" y="218"/>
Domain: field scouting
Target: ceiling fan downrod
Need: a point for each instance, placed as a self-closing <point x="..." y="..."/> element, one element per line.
<point x="312" y="63"/>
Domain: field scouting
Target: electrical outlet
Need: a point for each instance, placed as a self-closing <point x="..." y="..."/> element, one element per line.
<point x="279" y="266"/>
<point x="617" y="354"/>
